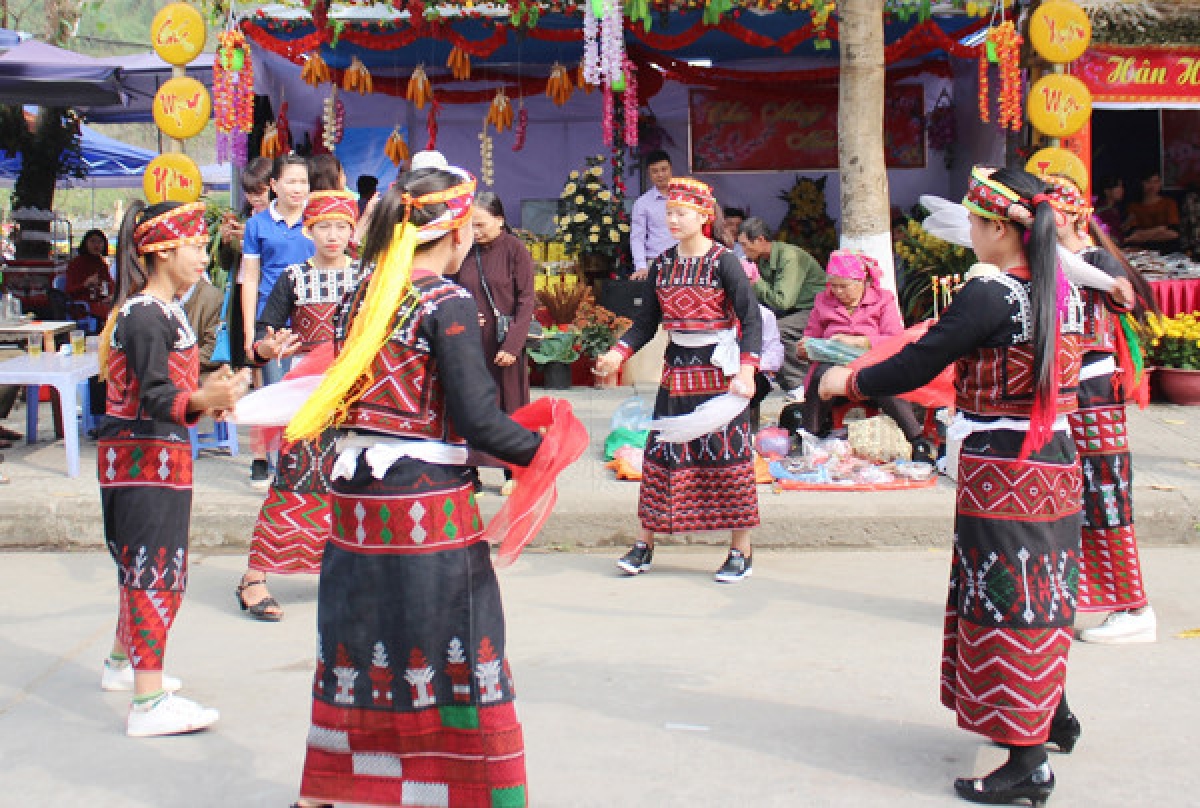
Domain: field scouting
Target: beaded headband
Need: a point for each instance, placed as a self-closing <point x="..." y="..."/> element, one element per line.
<point x="175" y="228"/>
<point x="688" y="193"/>
<point x="1066" y="198"/>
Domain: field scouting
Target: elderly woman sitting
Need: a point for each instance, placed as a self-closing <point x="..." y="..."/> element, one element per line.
<point x="856" y="311"/>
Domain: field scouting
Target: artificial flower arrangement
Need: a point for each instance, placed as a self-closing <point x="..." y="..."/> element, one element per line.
<point x="590" y="220"/>
<point x="599" y="328"/>
<point x="1174" y="342"/>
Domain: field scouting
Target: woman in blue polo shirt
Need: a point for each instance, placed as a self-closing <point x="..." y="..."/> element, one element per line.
<point x="274" y="240"/>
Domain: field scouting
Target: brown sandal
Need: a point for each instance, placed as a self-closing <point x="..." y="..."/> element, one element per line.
<point x="268" y="609"/>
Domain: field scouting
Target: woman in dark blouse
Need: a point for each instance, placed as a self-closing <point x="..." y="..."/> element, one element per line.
<point x="500" y="262"/>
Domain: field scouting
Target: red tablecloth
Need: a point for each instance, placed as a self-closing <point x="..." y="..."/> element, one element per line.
<point x="1177" y="296"/>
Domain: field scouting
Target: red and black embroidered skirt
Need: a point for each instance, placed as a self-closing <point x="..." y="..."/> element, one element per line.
<point x="145" y="475"/>
<point x="707" y="483"/>
<point x="413" y="696"/>
<point x="1013" y="586"/>
<point x="1110" y="572"/>
<point x="293" y="523"/>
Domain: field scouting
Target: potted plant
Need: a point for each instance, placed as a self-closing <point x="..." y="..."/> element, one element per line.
<point x="559" y="347"/>
<point x="562" y="296"/>
<point x="591" y="221"/>
<point x="599" y="330"/>
<point x="1175" y="350"/>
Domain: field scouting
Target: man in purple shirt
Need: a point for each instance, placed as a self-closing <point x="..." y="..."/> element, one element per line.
<point x="648" y="234"/>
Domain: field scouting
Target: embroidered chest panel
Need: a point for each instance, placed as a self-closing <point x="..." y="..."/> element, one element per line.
<point x="691" y="295"/>
<point x="1099" y="325"/>
<point x="999" y="381"/>
<point x="183" y="358"/>
<point x="405" y="397"/>
<point x="318" y="293"/>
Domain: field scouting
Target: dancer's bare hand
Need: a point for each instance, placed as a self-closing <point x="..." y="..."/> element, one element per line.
<point x="835" y="382"/>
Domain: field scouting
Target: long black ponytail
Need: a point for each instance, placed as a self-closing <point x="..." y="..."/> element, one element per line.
<point x="1041" y="253"/>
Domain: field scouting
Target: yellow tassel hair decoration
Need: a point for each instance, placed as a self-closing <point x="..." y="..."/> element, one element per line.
<point x="388" y="292"/>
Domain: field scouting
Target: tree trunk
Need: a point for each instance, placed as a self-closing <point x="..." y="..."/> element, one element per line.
<point x="866" y="209"/>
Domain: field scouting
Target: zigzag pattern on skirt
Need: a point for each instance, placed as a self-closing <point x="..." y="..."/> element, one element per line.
<point x="144" y="619"/>
<point x="291" y="532"/>
<point x="1110" y="573"/>
<point x="1006" y="683"/>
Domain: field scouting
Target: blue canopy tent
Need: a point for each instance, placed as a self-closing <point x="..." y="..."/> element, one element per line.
<point x="110" y="164"/>
<point x="34" y="72"/>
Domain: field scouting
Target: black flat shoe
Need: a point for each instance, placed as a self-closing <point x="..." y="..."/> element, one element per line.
<point x="1064" y="733"/>
<point x="268" y="609"/>
<point x="1035" y="787"/>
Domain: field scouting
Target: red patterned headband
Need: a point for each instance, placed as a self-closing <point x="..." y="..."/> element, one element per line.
<point x="689" y="193"/>
<point x="175" y="228"/>
<point x="1066" y="198"/>
<point x="459" y="200"/>
<point x="324" y="206"/>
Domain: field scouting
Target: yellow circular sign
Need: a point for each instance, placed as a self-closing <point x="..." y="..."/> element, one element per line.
<point x="181" y="107"/>
<point x="1055" y="160"/>
<point x="177" y="33"/>
<point x="1059" y="105"/>
<point x="174" y="177"/>
<point x="1060" y="31"/>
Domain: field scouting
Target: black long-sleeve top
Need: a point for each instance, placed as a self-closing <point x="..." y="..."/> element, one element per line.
<point x="708" y="293"/>
<point x="431" y="379"/>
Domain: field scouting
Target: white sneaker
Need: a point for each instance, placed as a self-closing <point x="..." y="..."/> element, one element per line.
<point x="794" y="396"/>
<point x="120" y="677"/>
<point x="170" y="715"/>
<point x="1124" y="627"/>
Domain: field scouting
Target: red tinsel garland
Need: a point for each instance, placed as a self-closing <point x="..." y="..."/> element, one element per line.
<point x="920" y="40"/>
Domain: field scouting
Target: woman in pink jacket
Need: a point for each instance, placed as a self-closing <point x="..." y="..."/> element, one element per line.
<point x="854" y="309"/>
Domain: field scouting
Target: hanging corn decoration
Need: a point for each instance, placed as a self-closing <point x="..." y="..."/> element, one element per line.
<point x="396" y="148"/>
<point x="559" y="86"/>
<point x="270" y="146"/>
<point x="500" y="114"/>
<point x="582" y="82"/>
<point x="419" y="91"/>
<point x="357" y="79"/>
<point x="333" y="120"/>
<point x="315" y="71"/>
<point x="487" y="169"/>
<point x="459" y="64"/>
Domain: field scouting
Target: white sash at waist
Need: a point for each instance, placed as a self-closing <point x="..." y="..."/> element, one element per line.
<point x="727" y="355"/>
<point x="382" y="453"/>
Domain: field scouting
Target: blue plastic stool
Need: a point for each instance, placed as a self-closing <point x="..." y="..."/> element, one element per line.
<point x="33" y="394"/>
<point x="223" y="436"/>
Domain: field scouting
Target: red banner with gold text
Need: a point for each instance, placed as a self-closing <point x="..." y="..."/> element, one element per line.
<point x="796" y="130"/>
<point x="1150" y="75"/>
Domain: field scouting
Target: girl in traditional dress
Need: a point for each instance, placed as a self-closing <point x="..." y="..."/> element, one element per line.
<point x="294" y="521"/>
<point x="704" y="300"/>
<point x="412" y="697"/>
<point x="1014" y="335"/>
<point x="149" y="357"/>
<point x="1110" y="574"/>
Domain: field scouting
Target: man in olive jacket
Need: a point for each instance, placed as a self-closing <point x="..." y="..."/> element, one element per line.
<point x="790" y="281"/>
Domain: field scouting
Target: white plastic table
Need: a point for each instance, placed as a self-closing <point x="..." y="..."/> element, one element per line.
<point x="49" y="329"/>
<point x="66" y="374"/>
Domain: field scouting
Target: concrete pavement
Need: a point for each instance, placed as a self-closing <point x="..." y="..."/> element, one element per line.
<point x="42" y="509"/>
<point x="812" y="684"/>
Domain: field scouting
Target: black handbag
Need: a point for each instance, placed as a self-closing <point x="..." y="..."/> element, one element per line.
<point x="504" y="321"/>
